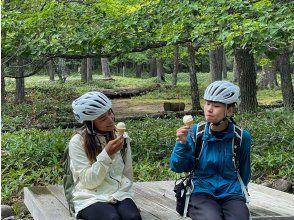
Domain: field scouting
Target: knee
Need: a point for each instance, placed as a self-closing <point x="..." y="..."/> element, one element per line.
<point x="134" y="216"/>
<point x="113" y="216"/>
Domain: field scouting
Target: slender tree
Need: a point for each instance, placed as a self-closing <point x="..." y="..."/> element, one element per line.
<point x="286" y="79"/>
<point x="236" y="77"/>
<point x="3" y="92"/>
<point x="193" y="78"/>
<point x="153" y="67"/>
<point x="159" y="69"/>
<point x="138" y="70"/>
<point x="225" y="69"/>
<point x="105" y="68"/>
<point x="268" y="79"/>
<point x="20" y="86"/>
<point x="89" y="69"/>
<point x="175" y="66"/>
<point x="83" y="71"/>
<point x="51" y="70"/>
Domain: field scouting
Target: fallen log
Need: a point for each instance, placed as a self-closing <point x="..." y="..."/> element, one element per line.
<point x="141" y="117"/>
<point x="127" y="93"/>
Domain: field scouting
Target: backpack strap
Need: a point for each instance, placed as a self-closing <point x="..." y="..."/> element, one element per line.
<point x="198" y="142"/>
<point x="236" y="146"/>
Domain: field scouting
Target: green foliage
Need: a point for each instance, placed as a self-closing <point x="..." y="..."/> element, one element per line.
<point x="79" y="28"/>
<point x="273" y="143"/>
<point x="33" y="157"/>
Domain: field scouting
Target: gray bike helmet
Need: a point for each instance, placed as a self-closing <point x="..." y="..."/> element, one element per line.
<point x="90" y="106"/>
<point x="223" y="92"/>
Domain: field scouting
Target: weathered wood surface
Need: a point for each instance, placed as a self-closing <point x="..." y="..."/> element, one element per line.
<point x="156" y="200"/>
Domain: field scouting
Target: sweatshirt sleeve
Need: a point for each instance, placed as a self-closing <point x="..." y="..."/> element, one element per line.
<point x="90" y="176"/>
<point x="128" y="169"/>
<point x="245" y="172"/>
<point x="182" y="159"/>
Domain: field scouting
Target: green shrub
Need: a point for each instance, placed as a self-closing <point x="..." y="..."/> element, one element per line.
<point x="33" y="157"/>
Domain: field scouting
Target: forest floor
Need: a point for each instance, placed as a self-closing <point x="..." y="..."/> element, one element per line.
<point x="122" y="108"/>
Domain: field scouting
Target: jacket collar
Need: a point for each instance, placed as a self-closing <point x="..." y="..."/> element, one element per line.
<point x="208" y="136"/>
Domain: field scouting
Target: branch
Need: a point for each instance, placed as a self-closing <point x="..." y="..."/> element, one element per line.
<point x="116" y="53"/>
<point x="32" y="73"/>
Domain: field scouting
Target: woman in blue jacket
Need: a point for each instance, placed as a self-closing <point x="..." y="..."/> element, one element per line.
<point x="217" y="190"/>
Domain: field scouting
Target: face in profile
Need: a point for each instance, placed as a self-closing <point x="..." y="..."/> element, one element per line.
<point x="105" y="122"/>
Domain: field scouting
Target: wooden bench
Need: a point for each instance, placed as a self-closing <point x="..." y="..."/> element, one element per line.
<point x="156" y="200"/>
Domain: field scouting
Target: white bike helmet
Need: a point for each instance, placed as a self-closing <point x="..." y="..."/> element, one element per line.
<point x="222" y="91"/>
<point x="90" y="106"/>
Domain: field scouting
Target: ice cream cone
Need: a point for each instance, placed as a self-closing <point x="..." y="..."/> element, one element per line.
<point x="188" y="120"/>
<point x="120" y="128"/>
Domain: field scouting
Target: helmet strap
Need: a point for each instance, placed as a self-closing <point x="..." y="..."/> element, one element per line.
<point x="90" y="128"/>
<point x="219" y="122"/>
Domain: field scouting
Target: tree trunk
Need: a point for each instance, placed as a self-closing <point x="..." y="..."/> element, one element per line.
<point x="89" y="69"/>
<point x="193" y="78"/>
<point x="225" y="70"/>
<point x="159" y="68"/>
<point x="245" y="65"/>
<point x="176" y="66"/>
<point x="236" y="76"/>
<point x="138" y="70"/>
<point x="83" y="71"/>
<point x="268" y="78"/>
<point x="51" y="70"/>
<point x="118" y="67"/>
<point x="20" y="87"/>
<point x="3" y="92"/>
<point x="105" y="68"/>
<point x="63" y="69"/>
<point x="124" y="69"/>
<point x="286" y="80"/>
<point x="216" y="63"/>
<point x="60" y="69"/>
<point x="153" y="70"/>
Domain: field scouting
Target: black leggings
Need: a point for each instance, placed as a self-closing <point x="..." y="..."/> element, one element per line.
<point x="124" y="210"/>
<point x="205" y="207"/>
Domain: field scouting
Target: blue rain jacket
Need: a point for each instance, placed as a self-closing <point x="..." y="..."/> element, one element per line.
<point x="215" y="174"/>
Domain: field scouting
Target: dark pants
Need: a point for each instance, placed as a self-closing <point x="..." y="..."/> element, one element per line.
<point x="205" y="207"/>
<point x="124" y="210"/>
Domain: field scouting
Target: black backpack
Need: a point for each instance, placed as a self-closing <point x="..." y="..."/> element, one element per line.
<point x="184" y="188"/>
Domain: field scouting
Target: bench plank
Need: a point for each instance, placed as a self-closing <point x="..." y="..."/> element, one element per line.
<point x="156" y="201"/>
<point x="271" y="199"/>
<point x="42" y="204"/>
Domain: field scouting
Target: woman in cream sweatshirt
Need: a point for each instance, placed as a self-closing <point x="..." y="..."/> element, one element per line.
<point x="101" y="163"/>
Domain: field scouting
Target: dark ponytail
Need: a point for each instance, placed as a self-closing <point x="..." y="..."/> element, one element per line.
<point x="92" y="144"/>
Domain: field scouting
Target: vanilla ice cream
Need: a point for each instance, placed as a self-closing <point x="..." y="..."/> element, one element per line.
<point x="120" y="128"/>
<point x="188" y="120"/>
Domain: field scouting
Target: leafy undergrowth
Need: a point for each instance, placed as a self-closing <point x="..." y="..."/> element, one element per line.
<point x="34" y="157"/>
<point x="49" y="103"/>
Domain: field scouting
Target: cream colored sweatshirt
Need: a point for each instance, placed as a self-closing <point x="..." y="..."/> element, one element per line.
<point x="109" y="179"/>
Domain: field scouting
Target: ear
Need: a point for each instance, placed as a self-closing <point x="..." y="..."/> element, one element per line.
<point x="230" y="111"/>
